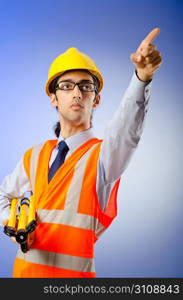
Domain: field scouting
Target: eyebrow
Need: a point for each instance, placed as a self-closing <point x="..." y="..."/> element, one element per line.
<point x="70" y="80"/>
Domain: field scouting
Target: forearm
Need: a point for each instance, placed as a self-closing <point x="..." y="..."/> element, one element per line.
<point x="4" y="207"/>
<point x="124" y="130"/>
<point x="13" y="186"/>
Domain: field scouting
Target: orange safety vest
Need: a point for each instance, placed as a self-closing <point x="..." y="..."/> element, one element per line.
<point x="70" y="219"/>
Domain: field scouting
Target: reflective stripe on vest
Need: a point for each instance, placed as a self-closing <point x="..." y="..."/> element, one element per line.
<point x="62" y="261"/>
<point x="66" y="217"/>
<point x="33" y="165"/>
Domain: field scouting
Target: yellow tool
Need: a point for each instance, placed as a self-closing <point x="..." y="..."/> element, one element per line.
<point x="31" y="224"/>
<point x="10" y="228"/>
<point x="22" y="234"/>
<point x="25" y="224"/>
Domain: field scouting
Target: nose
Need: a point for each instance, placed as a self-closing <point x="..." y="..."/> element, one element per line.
<point x="76" y="92"/>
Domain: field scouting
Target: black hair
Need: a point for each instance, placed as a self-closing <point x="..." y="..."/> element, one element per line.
<point x="57" y="129"/>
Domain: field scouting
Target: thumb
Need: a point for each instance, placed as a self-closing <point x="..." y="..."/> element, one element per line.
<point x="136" y="58"/>
<point x="5" y="222"/>
<point x="14" y="240"/>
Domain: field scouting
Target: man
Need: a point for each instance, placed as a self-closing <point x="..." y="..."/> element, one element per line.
<point x="75" y="178"/>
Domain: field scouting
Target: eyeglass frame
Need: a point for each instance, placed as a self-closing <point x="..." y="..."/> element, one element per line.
<point x="77" y="83"/>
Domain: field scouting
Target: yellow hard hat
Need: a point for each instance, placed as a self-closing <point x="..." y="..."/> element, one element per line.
<point x="72" y="59"/>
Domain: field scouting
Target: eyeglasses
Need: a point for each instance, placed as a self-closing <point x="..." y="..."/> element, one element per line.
<point x="84" y="86"/>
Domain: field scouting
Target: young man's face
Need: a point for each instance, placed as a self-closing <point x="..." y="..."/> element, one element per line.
<point x="75" y="106"/>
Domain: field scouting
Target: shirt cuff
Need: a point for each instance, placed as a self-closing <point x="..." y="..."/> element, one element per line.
<point x="146" y="82"/>
<point x="4" y="216"/>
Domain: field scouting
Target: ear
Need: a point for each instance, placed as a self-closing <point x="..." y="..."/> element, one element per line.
<point x="96" y="101"/>
<point x="53" y="100"/>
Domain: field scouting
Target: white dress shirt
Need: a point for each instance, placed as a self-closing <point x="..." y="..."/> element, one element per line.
<point x="121" y="138"/>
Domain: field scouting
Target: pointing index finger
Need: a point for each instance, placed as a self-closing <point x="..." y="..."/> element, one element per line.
<point x="151" y="36"/>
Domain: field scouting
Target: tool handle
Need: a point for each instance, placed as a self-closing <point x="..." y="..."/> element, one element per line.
<point x="24" y="206"/>
<point x="13" y="212"/>
<point x="32" y="210"/>
<point x="31" y="224"/>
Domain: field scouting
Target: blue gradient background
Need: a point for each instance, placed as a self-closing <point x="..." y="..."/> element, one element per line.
<point x="145" y="240"/>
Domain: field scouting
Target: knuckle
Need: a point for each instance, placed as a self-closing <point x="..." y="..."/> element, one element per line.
<point x="153" y="46"/>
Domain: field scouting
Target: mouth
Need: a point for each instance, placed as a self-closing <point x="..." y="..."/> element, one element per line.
<point x="76" y="106"/>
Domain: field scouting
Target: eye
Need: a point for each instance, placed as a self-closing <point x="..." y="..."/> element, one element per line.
<point x="87" y="87"/>
<point x="66" y="86"/>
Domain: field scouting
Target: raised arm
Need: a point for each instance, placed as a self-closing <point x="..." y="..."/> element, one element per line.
<point x="123" y="132"/>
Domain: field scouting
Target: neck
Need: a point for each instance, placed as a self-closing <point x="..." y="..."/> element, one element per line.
<point x="68" y="130"/>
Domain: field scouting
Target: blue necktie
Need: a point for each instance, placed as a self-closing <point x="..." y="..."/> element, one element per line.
<point x="59" y="160"/>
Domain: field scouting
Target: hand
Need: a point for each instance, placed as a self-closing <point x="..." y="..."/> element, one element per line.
<point x="31" y="236"/>
<point x="5" y="222"/>
<point x="30" y="239"/>
<point x="147" y="59"/>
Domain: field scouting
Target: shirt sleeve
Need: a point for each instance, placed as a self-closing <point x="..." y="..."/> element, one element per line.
<point x="14" y="185"/>
<point x="122" y="136"/>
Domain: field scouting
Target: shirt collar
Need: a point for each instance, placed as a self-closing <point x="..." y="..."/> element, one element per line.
<point x="77" y="139"/>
